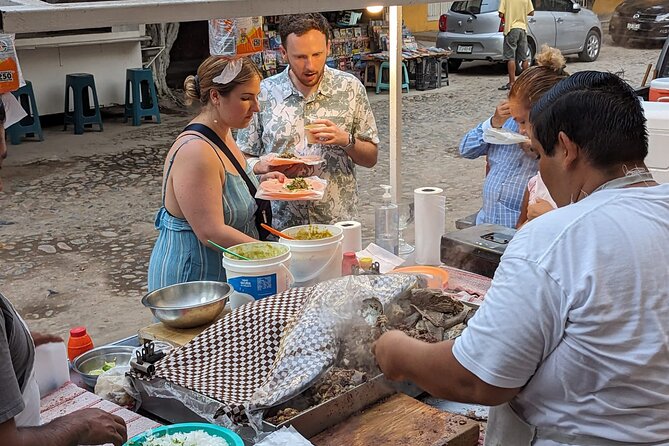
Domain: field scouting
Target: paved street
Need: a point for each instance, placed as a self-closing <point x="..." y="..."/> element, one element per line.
<point x="76" y="216"/>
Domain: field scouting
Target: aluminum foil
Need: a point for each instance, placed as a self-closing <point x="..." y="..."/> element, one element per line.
<point x="311" y="342"/>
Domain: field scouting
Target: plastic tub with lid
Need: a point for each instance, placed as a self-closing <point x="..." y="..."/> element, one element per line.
<point x="318" y="259"/>
<point x="659" y="90"/>
<point x="657" y="123"/>
<point x="266" y="273"/>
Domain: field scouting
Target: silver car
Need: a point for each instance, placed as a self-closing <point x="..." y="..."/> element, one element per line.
<point x="473" y="30"/>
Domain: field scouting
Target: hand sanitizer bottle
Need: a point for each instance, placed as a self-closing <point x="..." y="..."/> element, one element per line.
<point x="387" y="220"/>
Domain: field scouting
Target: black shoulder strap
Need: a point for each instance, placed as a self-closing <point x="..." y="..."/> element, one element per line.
<point x="213" y="137"/>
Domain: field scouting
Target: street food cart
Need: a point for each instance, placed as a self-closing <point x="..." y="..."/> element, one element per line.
<point x="332" y="419"/>
<point x="302" y="358"/>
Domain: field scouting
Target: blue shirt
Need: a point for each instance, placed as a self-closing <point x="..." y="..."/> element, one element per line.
<point x="510" y="170"/>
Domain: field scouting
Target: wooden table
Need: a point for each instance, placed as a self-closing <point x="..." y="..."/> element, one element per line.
<point x="178" y="337"/>
<point x="401" y="421"/>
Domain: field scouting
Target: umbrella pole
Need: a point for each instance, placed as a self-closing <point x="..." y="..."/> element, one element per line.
<point x="396" y="102"/>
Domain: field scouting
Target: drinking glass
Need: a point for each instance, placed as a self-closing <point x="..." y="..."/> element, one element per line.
<point x="406" y="217"/>
<point x="312" y="146"/>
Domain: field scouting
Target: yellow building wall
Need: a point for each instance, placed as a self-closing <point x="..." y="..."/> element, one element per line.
<point x="605" y="7"/>
<point x="415" y="18"/>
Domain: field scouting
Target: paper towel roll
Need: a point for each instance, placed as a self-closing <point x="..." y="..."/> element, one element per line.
<point x="430" y="212"/>
<point x="352" y="231"/>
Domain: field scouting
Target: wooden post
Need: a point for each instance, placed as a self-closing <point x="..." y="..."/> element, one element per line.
<point x="396" y="102"/>
<point x="645" y="76"/>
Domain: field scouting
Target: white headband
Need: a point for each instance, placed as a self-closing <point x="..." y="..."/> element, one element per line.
<point x="230" y="72"/>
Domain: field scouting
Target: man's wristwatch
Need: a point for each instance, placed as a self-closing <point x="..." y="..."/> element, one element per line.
<point x="351" y="142"/>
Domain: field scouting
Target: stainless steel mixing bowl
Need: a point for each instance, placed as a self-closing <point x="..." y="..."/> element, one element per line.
<point x="189" y="304"/>
<point x="97" y="357"/>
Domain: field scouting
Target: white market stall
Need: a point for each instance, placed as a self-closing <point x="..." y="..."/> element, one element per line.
<point x="47" y="57"/>
<point x="35" y="16"/>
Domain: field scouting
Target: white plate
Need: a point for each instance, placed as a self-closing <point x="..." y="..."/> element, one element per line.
<point x="503" y="136"/>
<point x="633" y="26"/>
<point x="466" y="49"/>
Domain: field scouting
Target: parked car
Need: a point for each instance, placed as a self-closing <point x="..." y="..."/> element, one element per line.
<point x="662" y="68"/>
<point x="646" y="20"/>
<point x="663" y="61"/>
<point x="473" y="30"/>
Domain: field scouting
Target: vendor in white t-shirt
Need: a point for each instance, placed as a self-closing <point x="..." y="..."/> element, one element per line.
<point x="571" y="345"/>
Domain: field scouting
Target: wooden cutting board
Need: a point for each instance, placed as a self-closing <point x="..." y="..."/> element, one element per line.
<point x="175" y="336"/>
<point x="401" y="421"/>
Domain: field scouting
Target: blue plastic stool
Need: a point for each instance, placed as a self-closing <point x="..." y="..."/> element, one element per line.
<point x="386" y="85"/>
<point x="82" y="86"/>
<point x="29" y="125"/>
<point x="141" y="99"/>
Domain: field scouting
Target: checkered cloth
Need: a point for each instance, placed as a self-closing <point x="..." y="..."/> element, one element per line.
<point x="231" y="359"/>
<point x="271" y="350"/>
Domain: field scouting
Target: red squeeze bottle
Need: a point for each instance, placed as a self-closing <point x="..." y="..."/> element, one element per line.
<point x="78" y="343"/>
<point x="348" y="262"/>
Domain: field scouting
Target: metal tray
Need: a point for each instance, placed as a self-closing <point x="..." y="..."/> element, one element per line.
<point x="308" y="423"/>
<point x="318" y="418"/>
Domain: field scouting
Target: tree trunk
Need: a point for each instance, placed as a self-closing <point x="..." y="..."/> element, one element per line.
<point x="163" y="35"/>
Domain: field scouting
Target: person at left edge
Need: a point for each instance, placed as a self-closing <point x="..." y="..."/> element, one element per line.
<point x="204" y="197"/>
<point x="20" y="421"/>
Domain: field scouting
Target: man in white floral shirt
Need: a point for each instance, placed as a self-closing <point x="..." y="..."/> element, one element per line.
<point x="309" y="92"/>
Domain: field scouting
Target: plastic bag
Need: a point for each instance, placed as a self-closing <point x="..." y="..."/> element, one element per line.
<point x="10" y="73"/>
<point x="113" y="385"/>
<point x="50" y="367"/>
<point x="235" y="37"/>
<point x="503" y="136"/>
<point x="326" y="324"/>
<point x="14" y="111"/>
<point x="538" y="189"/>
<point x="286" y="436"/>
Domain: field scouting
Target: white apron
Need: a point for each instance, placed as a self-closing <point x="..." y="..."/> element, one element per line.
<point x="31" y="398"/>
<point x="507" y="428"/>
<point x="30" y="415"/>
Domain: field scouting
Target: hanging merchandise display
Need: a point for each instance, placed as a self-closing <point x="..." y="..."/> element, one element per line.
<point x="235" y="37"/>
<point x="349" y="41"/>
<point x="10" y="78"/>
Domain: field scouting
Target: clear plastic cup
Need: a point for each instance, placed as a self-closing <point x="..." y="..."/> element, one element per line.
<point x="309" y="129"/>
